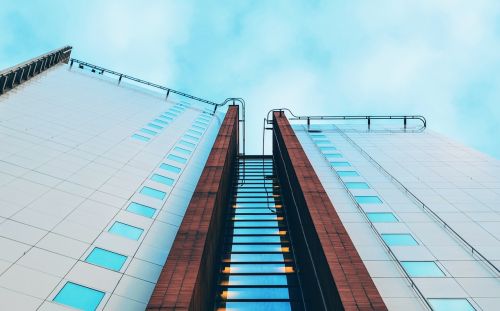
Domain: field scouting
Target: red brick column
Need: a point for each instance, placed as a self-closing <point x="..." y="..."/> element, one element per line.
<point x="327" y="259"/>
<point x="187" y="279"/>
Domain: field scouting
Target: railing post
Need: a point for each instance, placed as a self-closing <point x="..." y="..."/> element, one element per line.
<point x="168" y="93"/>
<point x="308" y="123"/>
<point x="405" y="122"/>
<point x="119" y="79"/>
<point x="369" y="123"/>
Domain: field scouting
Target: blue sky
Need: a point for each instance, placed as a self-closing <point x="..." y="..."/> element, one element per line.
<point x="438" y="58"/>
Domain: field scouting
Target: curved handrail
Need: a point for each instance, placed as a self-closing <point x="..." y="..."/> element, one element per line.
<point x="353" y="117"/>
<point x="422" y="204"/>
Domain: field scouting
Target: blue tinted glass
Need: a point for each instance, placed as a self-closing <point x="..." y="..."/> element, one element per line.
<point x="333" y="155"/>
<point x="448" y="304"/>
<point x="141" y="209"/>
<point x="357" y="185"/>
<point x="321" y="141"/>
<point x="160" y="121"/>
<point x="422" y="268"/>
<point x="166" y="118"/>
<point x="170" y="114"/>
<point x="198" y="127"/>
<point x="368" y="199"/>
<point x="258" y="305"/>
<point x="327" y="148"/>
<point x="157" y="194"/>
<point x="347" y="173"/>
<point x="382" y="217"/>
<point x="79" y="297"/>
<point x="175" y="109"/>
<point x="177" y="158"/>
<point x="170" y="168"/>
<point x="257" y="293"/>
<point x="202" y="124"/>
<point x="191" y="137"/>
<point x="155" y="126"/>
<point x="125" y="230"/>
<point x="106" y="259"/>
<point x="150" y="132"/>
<point x="317" y="135"/>
<point x="399" y="239"/>
<point x="340" y="164"/>
<point x="162" y="179"/>
<point x="193" y="132"/>
<point x="257" y="279"/>
<point x="140" y="137"/>
<point x="186" y="143"/>
<point x="182" y="150"/>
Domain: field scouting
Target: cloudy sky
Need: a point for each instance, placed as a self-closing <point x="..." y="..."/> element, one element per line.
<point x="438" y="58"/>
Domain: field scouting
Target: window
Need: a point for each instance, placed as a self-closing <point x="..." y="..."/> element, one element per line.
<point x="170" y="114"/>
<point x="340" y="164"/>
<point x="162" y="179"/>
<point x="257" y="293"/>
<point x="79" y="297"/>
<point x="198" y="127"/>
<point x="368" y="199"/>
<point x="141" y="209"/>
<point x="150" y="132"/>
<point x="332" y="155"/>
<point x="187" y="144"/>
<point x="321" y="141"/>
<point x="382" y="217"/>
<point x="329" y="148"/>
<point x="177" y="158"/>
<point x="155" y="126"/>
<point x="422" y="268"/>
<point x="127" y="231"/>
<point x="317" y="135"/>
<point x="166" y="117"/>
<point x="140" y="137"/>
<point x="446" y="304"/>
<point x="357" y="185"/>
<point x="191" y="137"/>
<point x="160" y="121"/>
<point x="182" y="150"/>
<point x="347" y="173"/>
<point x="106" y="259"/>
<point x="399" y="239"/>
<point x="197" y="133"/>
<point x="170" y="168"/>
<point x="157" y="194"/>
<point x="201" y="123"/>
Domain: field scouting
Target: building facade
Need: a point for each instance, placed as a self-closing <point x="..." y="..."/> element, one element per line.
<point x="119" y="194"/>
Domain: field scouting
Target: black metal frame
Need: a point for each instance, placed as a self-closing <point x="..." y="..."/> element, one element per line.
<point x="13" y="76"/>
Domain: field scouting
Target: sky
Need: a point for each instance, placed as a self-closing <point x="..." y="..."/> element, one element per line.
<point x="437" y="58"/>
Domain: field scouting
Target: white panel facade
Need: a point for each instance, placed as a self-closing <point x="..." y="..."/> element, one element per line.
<point x="461" y="186"/>
<point x="80" y="160"/>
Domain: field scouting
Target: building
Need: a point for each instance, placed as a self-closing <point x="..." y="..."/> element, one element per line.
<point x="119" y="194"/>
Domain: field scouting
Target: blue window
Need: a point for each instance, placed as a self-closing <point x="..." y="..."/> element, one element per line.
<point x="141" y="209"/>
<point x="170" y="114"/>
<point x="197" y="133"/>
<point x="329" y="148"/>
<point x="357" y="185"/>
<point x="126" y="231"/>
<point x="317" y="135"/>
<point x="198" y="127"/>
<point x="157" y="194"/>
<point x="170" y="168"/>
<point x="166" y="118"/>
<point x="347" y="173"/>
<point x="447" y="304"/>
<point x="160" y="121"/>
<point x="203" y="121"/>
<point x="422" y="268"/>
<point x="333" y="155"/>
<point x="203" y="124"/>
<point x="191" y="137"/>
<point x="79" y="297"/>
<point x="106" y="259"/>
<point x="187" y="144"/>
<point x="175" y="109"/>
<point x="162" y="179"/>
<point x="399" y="239"/>
<point x="182" y="150"/>
<point x="382" y="217"/>
<point x="340" y="164"/>
<point x="155" y="126"/>
<point x="321" y="141"/>
<point x="177" y="158"/>
<point x="150" y="132"/>
<point x="368" y="199"/>
<point x="140" y="137"/>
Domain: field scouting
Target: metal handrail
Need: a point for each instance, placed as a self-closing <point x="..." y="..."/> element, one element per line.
<point x="422" y="204"/>
<point x="352" y="117"/>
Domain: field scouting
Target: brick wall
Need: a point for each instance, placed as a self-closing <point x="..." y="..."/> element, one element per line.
<point x="187" y="279"/>
<point x="332" y="274"/>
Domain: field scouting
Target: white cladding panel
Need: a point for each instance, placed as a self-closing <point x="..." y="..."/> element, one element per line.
<point x="70" y="168"/>
<point x="460" y="185"/>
